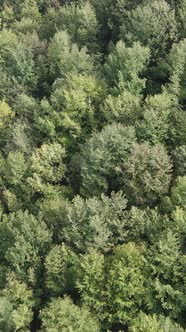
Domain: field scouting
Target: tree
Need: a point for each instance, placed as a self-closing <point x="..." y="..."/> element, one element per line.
<point x="181" y="14"/>
<point x="7" y="17"/>
<point x="145" y="225"/>
<point x="14" y="172"/>
<point x="155" y="124"/>
<point x="61" y="269"/>
<point x="48" y="27"/>
<point x="80" y="21"/>
<point x="28" y="240"/>
<point x="177" y="63"/>
<point x="15" y="168"/>
<point x="65" y="57"/>
<point x="147" y="174"/>
<point x="179" y="192"/>
<point x="91" y="282"/>
<point x="102" y="158"/>
<point x="19" y="138"/>
<point x="29" y="17"/>
<point x="166" y="282"/>
<point x="124" y="66"/>
<point x="18" y="299"/>
<point x="124" y="108"/>
<point x="47" y="168"/>
<point x="179" y="158"/>
<point x="85" y="224"/>
<point x="6" y="114"/>
<point x="124" y="283"/>
<point x="8" y="42"/>
<point x="178" y="226"/>
<point x="153" y="24"/>
<point x="94" y="223"/>
<point x="23" y="68"/>
<point x="177" y="129"/>
<point x="154" y="323"/>
<point x="111" y="16"/>
<point x="77" y="105"/>
<point x="62" y="314"/>
<point x="5" y="313"/>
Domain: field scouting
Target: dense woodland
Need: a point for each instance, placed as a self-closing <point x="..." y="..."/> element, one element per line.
<point x="93" y="165"/>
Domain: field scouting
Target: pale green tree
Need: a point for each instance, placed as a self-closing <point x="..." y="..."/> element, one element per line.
<point x="124" y="283"/>
<point x="166" y="283"/>
<point x="27" y="241"/>
<point x="6" y="114"/>
<point x="80" y="21"/>
<point x="47" y="167"/>
<point x="124" y="65"/>
<point x="61" y="269"/>
<point x="155" y="124"/>
<point x="65" y="57"/>
<point x="154" y="323"/>
<point x="19" y="301"/>
<point x="125" y="108"/>
<point x="77" y="105"/>
<point x="91" y="282"/>
<point x="63" y="315"/>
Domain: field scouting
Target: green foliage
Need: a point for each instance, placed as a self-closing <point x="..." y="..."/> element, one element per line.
<point x="125" y="283"/>
<point x="77" y="103"/>
<point x="124" y="108"/>
<point x="27" y="241"/>
<point x="177" y="130"/>
<point x="181" y="18"/>
<point x="147" y="174"/>
<point x="18" y="299"/>
<point x="124" y="66"/>
<point x="102" y="158"/>
<point x="61" y="265"/>
<point x="5" y="313"/>
<point x="8" y="41"/>
<point x="179" y="192"/>
<point x="47" y="167"/>
<point x="179" y="158"/>
<point x="94" y="223"/>
<point x="62" y="314"/>
<point x="29" y="19"/>
<point x="91" y="282"/>
<point x="146" y="224"/>
<point x="155" y="124"/>
<point x="167" y="284"/>
<point x="18" y="138"/>
<point x="65" y="57"/>
<point x="80" y="21"/>
<point x="177" y="61"/>
<point x="154" y="323"/>
<point x="153" y="24"/>
<point x="92" y="165"/>
<point x="6" y="114"/>
<point x="15" y="167"/>
<point x="178" y="225"/>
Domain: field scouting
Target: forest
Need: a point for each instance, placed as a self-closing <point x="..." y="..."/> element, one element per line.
<point x="93" y="165"/>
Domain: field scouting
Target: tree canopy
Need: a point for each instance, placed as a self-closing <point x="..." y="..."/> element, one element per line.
<point x="92" y="165"/>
